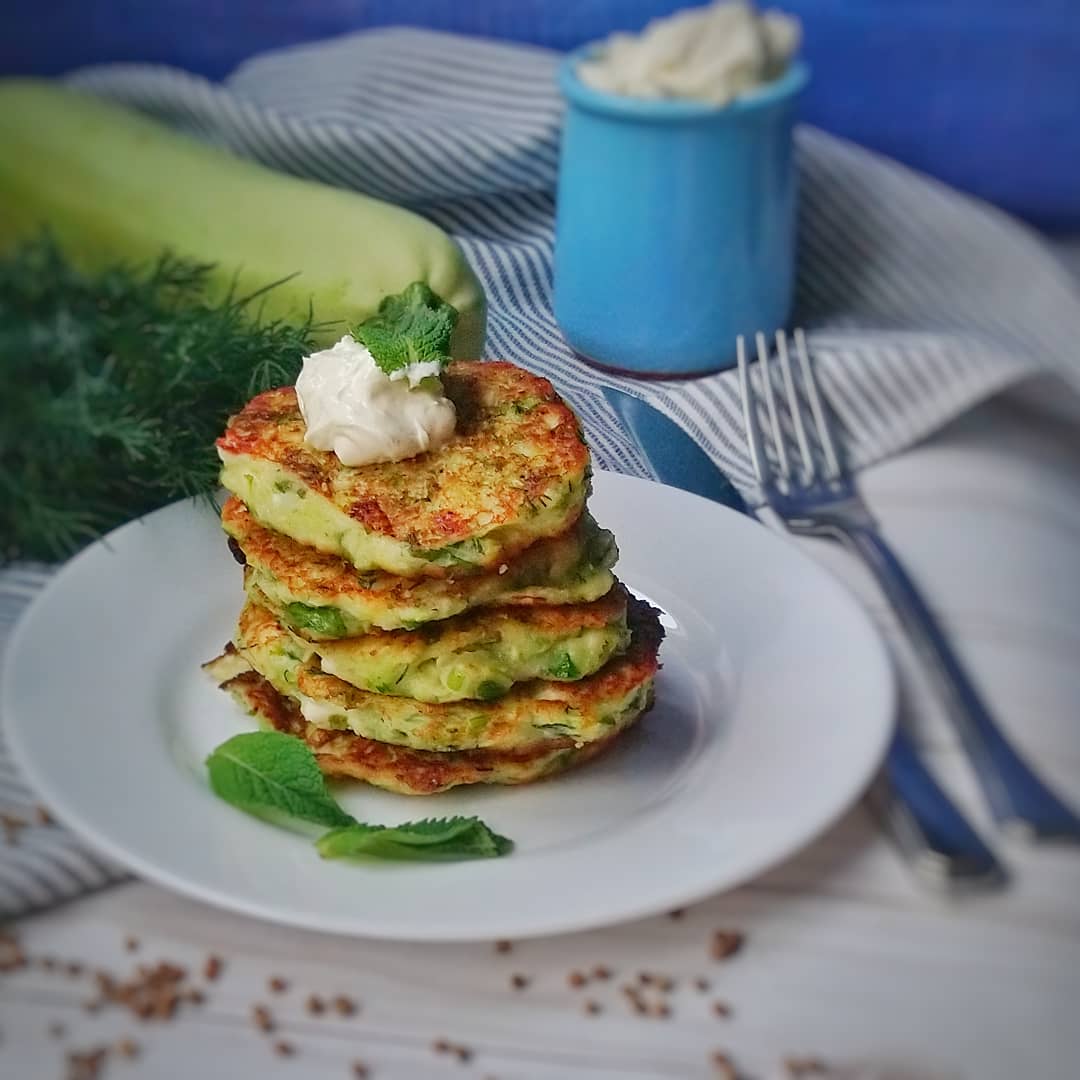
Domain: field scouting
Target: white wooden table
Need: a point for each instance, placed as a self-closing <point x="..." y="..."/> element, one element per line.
<point x="845" y="959"/>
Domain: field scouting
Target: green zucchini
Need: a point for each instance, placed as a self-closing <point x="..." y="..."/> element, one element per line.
<point x="111" y="183"/>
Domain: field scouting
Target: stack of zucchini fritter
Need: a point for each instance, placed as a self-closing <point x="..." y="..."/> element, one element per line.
<point x="447" y="619"/>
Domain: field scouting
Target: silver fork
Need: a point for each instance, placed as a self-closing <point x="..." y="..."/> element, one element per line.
<point x="807" y="485"/>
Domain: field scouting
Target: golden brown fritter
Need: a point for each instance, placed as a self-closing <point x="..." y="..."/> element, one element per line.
<point x="483" y="653"/>
<point x="584" y="711"/>
<point x="397" y="768"/>
<point x="515" y="471"/>
<point x="323" y="597"/>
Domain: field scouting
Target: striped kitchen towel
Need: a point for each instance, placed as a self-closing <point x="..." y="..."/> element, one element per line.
<point x="920" y="302"/>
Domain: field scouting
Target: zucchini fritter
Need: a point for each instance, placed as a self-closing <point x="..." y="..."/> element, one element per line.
<point x="342" y="754"/>
<point x="322" y="597"/>
<point x="480" y="654"/>
<point x="515" y="471"/>
<point x="584" y="711"/>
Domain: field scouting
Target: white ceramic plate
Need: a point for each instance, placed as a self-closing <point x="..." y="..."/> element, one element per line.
<point x="773" y="709"/>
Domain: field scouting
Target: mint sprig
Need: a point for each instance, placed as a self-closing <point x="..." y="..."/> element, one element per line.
<point x="411" y="327"/>
<point x="433" y="839"/>
<point x="275" y="777"/>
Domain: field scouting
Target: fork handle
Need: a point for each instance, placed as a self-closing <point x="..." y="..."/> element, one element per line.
<point x="1018" y="799"/>
<point x="934" y="837"/>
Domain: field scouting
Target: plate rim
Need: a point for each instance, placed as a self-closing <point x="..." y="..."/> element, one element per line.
<point x="288" y="915"/>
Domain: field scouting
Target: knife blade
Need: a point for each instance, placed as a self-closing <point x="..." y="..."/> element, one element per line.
<point x="671" y="452"/>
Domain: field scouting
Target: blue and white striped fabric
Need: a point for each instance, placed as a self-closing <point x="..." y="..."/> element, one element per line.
<point x="919" y="301"/>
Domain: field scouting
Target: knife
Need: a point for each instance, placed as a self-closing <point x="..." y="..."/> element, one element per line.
<point x="673" y="456"/>
<point x="935" y="838"/>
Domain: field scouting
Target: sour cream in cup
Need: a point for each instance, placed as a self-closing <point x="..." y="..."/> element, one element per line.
<point x="675" y="223"/>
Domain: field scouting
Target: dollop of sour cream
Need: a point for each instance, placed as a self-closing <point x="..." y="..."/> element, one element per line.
<point x="353" y="408"/>
<point x="710" y="54"/>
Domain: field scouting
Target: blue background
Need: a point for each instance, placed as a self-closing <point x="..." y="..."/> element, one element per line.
<point x="984" y="94"/>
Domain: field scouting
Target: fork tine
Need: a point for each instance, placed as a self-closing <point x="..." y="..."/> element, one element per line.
<point x="821" y="422"/>
<point x="753" y="428"/>
<point x="795" y="406"/>
<point x="770" y="405"/>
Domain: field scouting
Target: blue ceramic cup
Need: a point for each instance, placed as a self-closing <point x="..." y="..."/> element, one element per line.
<point x="675" y="224"/>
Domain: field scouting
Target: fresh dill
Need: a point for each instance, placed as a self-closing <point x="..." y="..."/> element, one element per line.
<point x="115" y="386"/>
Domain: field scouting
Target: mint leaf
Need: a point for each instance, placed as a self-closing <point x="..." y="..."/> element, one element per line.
<point x="411" y="327"/>
<point x="432" y="840"/>
<point x="273" y="776"/>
